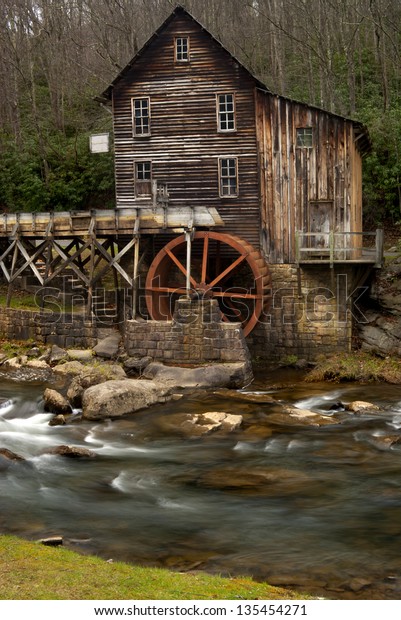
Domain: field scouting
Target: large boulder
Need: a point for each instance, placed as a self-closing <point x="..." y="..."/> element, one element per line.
<point x="82" y="355"/>
<point x="230" y="375"/>
<point x="136" y="365"/>
<point x="56" y="354"/>
<point x="114" y="399"/>
<point x="108" y="347"/>
<point x="69" y="369"/>
<point x="38" y="364"/>
<point x="92" y="375"/>
<point x="55" y="402"/>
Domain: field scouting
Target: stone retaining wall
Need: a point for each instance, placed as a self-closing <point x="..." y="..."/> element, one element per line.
<point x="312" y="312"/>
<point x="194" y="336"/>
<point x="65" y="330"/>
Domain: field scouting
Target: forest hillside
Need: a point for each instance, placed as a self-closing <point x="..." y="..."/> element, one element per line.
<point x="56" y="56"/>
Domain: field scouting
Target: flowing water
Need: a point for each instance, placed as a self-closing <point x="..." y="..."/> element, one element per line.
<point x="314" y="506"/>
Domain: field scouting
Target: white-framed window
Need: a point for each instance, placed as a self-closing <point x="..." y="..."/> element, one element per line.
<point x="228" y="177"/>
<point x="141" y="116"/>
<point x="226" y="112"/>
<point x="305" y="137"/>
<point x="143" y="179"/>
<point x="181" y="49"/>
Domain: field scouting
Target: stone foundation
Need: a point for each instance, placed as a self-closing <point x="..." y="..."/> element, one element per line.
<point x="65" y="330"/>
<point x="196" y="335"/>
<point x="312" y="312"/>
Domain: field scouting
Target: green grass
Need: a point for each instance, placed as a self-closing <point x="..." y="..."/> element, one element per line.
<point x="31" y="571"/>
<point x="20" y="301"/>
<point x="359" y="366"/>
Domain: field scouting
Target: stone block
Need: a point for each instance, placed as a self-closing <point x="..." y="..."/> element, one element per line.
<point x="228" y="355"/>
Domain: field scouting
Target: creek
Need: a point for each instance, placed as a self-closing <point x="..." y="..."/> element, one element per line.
<point x="313" y="507"/>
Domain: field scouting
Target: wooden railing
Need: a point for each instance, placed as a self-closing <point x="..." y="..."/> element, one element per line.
<point x="339" y="247"/>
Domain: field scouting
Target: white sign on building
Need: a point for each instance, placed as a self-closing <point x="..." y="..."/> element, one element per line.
<point x="99" y="143"/>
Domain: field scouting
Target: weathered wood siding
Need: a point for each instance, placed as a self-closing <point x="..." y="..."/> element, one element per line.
<point x="184" y="145"/>
<point x="295" y="180"/>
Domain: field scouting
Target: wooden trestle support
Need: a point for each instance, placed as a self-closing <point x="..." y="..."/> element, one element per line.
<point x="87" y="245"/>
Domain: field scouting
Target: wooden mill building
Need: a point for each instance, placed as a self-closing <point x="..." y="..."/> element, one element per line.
<point x="227" y="190"/>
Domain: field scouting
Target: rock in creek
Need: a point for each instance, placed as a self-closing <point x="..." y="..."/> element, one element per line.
<point x="231" y="375"/>
<point x="359" y="405"/>
<point x="258" y="481"/>
<point x="247" y="397"/>
<point x="292" y="416"/>
<point x="11" y="456"/>
<point x="198" y="424"/>
<point x="58" y="420"/>
<point x="55" y="402"/>
<point x="92" y="375"/>
<point x="135" y="365"/>
<point x="114" y="399"/>
<point x="9" y="459"/>
<point x="72" y="452"/>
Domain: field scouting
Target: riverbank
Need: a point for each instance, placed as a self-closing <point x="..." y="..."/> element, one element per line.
<point x="357" y="366"/>
<point x="28" y="572"/>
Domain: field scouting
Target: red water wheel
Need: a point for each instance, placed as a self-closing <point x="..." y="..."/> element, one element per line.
<point x="223" y="267"/>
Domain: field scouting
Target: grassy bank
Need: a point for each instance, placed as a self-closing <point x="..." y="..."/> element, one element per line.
<point x="29" y="570"/>
<point x="357" y="366"/>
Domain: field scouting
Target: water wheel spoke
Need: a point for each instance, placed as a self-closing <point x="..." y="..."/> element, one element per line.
<point x="180" y="266"/>
<point x="228" y="270"/>
<point x="204" y="259"/>
<point x="234" y="295"/>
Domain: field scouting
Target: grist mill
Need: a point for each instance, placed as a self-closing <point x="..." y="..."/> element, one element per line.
<point x="242" y="202"/>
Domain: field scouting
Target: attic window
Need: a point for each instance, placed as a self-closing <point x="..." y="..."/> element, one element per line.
<point x="226" y="112"/>
<point x="182" y="49"/>
<point x="141" y="116"/>
<point x="304" y="137"/>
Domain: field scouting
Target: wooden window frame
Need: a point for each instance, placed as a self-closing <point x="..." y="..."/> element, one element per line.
<point x="300" y="137"/>
<point x="188" y="52"/>
<point x="220" y="113"/>
<point x="137" y="180"/>
<point x="222" y="177"/>
<point x="135" y="132"/>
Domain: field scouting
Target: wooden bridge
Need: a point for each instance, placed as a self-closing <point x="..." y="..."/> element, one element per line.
<point x="88" y="243"/>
